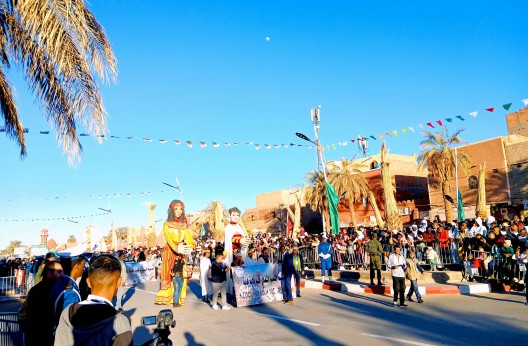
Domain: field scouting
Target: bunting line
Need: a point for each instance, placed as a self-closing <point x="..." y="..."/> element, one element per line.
<point x="430" y="124"/>
<point x="98" y="196"/>
<point x="53" y="219"/>
<point x="383" y="134"/>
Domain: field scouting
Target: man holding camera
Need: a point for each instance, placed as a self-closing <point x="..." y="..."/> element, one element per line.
<point x="95" y="321"/>
<point x="397" y="266"/>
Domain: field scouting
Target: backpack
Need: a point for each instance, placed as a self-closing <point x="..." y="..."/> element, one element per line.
<point x="65" y="290"/>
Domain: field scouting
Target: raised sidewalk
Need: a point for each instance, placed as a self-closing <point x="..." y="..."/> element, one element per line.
<point x="439" y="282"/>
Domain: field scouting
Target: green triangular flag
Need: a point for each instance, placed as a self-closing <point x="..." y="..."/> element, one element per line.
<point x="507" y="106"/>
<point x="333" y="200"/>
<point x="449" y="119"/>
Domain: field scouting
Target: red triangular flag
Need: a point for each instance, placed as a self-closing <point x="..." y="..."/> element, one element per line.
<point x="490" y="109"/>
<point x="439" y="122"/>
<point x="430" y="124"/>
<point x="388" y="134"/>
<point x="352" y="140"/>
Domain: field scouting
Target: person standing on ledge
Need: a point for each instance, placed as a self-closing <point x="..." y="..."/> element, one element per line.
<point x="375" y="250"/>
<point x="325" y="255"/>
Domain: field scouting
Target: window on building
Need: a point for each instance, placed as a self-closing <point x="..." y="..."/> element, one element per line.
<point x="404" y="211"/>
<point x="374" y="165"/>
<point x="473" y="182"/>
<point x="365" y="201"/>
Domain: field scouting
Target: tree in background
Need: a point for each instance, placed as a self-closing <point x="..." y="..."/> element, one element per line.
<point x="316" y="195"/>
<point x="61" y="48"/>
<point x="349" y="180"/>
<point x="438" y="156"/>
<point x="391" y="209"/>
<point x="480" y="208"/>
<point x="10" y="249"/>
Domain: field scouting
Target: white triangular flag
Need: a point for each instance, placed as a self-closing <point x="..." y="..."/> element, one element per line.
<point x="473" y="114"/>
<point x="412" y="129"/>
<point x="525" y="101"/>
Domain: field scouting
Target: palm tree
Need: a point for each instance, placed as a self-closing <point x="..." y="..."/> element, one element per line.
<point x="295" y="214"/>
<point x="391" y="209"/>
<point x="215" y="216"/>
<point x="348" y="178"/>
<point x="480" y="208"/>
<point x="316" y="195"/>
<point x="438" y="156"/>
<point x="61" y="48"/>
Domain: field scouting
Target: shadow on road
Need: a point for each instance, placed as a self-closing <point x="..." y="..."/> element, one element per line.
<point x="296" y="327"/>
<point x="438" y="323"/>
<point x="190" y="340"/>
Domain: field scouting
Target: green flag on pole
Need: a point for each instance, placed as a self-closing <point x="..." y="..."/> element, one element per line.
<point x="202" y="232"/>
<point x="333" y="200"/>
<point x="460" y="207"/>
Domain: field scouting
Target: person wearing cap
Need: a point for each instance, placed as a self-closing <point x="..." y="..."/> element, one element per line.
<point x="50" y="256"/>
<point x="324" y="249"/>
<point x="375" y="250"/>
<point x="298" y="264"/>
<point x="397" y="265"/>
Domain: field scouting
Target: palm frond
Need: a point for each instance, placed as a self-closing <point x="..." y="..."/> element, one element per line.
<point x="13" y="125"/>
<point x="61" y="47"/>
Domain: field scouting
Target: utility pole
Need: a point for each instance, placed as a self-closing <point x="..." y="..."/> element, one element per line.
<point x="315" y="114"/>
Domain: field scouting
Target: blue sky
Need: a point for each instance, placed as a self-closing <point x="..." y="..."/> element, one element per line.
<point x="203" y="71"/>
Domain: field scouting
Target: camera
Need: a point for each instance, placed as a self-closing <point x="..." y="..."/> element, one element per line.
<point x="165" y="321"/>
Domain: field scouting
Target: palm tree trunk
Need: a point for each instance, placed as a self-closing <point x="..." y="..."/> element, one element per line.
<point x="352" y="212"/>
<point x="480" y="208"/>
<point x="391" y="209"/>
<point x="377" y="214"/>
<point x="448" y="206"/>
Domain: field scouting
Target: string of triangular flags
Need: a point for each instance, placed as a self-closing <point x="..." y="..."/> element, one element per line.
<point x="412" y="129"/>
<point x="381" y="135"/>
<point x="98" y="196"/>
<point x="54" y="219"/>
<point x="190" y="144"/>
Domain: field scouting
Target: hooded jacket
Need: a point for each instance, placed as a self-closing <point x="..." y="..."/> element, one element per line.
<point x="89" y="323"/>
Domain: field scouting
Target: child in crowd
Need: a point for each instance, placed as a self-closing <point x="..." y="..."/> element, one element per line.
<point x="432" y="257"/>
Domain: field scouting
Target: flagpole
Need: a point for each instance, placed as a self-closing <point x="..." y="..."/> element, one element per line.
<point x="456" y="180"/>
<point x="320" y="158"/>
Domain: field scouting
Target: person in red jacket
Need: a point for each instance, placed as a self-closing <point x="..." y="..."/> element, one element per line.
<point x="443" y="237"/>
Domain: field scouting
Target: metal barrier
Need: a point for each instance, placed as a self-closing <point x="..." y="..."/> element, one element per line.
<point x="16" y="286"/>
<point x="356" y="257"/>
<point x="481" y="265"/>
<point x="10" y="332"/>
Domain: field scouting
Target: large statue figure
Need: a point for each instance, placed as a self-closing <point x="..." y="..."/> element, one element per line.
<point x="234" y="237"/>
<point x="176" y="236"/>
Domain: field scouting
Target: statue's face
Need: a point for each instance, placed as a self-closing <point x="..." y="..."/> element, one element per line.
<point x="234" y="216"/>
<point x="178" y="211"/>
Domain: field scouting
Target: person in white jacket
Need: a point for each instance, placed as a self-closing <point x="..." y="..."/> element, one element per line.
<point x="205" y="265"/>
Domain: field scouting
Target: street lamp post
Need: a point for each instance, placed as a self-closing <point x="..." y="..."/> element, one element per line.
<point x="315" y="115"/>
<point x="176" y="187"/>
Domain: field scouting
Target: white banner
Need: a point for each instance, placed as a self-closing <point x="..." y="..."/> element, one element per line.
<point x="140" y="272"/>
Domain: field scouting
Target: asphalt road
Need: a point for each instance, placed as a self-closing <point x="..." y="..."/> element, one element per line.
<point x="335" y="318"/>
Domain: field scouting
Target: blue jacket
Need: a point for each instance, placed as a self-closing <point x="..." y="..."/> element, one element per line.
<point x="326" y="249"/>
<point x="287" y="264"/>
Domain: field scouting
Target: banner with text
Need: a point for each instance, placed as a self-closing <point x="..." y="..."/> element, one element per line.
<point x="258" y="284"/>
<point x="139" y="272"/>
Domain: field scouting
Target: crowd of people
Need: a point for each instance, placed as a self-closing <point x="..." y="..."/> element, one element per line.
<point x="81" y="302"/>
